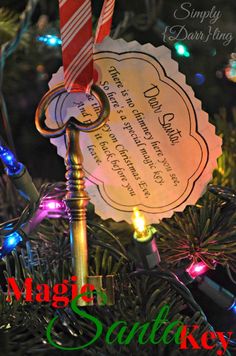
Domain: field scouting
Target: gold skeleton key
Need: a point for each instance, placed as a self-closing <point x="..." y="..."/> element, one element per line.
<point x="77" y="198"/>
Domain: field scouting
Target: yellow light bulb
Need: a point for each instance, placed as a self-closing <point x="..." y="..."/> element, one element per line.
<point x="139" y="221"/>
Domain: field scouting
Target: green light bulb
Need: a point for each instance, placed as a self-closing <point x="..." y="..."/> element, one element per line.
<point x="181" y="49"/>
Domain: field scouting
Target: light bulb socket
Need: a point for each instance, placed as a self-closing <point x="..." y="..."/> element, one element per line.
<point x="221" y="296"/>
<point x="24" y="185"/>
<point x="147" y="249"/>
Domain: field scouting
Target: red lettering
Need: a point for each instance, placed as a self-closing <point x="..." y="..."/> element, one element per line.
<point x="74" y="288"/>
<point x="87" y="288"/>
<point x="224" y="342"/>
<point x="60" y="299"/>
<point x="208" y="335"/>
<point x="185" y="336"/>
<point x="12" y="285"/>
<point x="44" y="296"/>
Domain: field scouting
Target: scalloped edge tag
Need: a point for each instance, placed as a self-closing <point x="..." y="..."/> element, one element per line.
<point x="169" y="147"/>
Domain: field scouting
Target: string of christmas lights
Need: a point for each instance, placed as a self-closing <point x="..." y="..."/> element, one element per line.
<point x="49" y="205"/>
<point x="18" y="174"/>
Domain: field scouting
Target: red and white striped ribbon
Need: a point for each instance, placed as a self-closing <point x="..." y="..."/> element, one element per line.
<point x="77" y="40"/>
<point x="77" y="44"/>
<point x="105" y="21"/>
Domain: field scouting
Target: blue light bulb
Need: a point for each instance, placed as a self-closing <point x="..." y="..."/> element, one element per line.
<point x="2" y="150"/>
<point x="10" y="242"/>
<point x="199" y="78"/>
<point x="50" y="40"/>
<point x="9" y="160"/>
<point x="233" y="307"/>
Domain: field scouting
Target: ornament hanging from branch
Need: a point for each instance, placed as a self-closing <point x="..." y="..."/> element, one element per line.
<point x="76" y="27"/>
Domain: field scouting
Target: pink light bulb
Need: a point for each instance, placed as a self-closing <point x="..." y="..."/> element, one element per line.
<point x="196" y="269"/>
<point x="199" y="268"/>
<point x="51" y="205"/>
<point x="53" y="208"/>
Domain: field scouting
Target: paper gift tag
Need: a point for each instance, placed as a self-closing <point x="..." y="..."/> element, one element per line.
<point x="158" y="151"/>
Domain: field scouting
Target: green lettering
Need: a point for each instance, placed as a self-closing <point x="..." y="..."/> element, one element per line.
<point x="178" y="334"/>
<point x="136" y="327"/>
<point x="161" y="319"/>
<point x="83" y="314"/>
<point x="120" y="333"/>
<point x="168" y="330"/>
